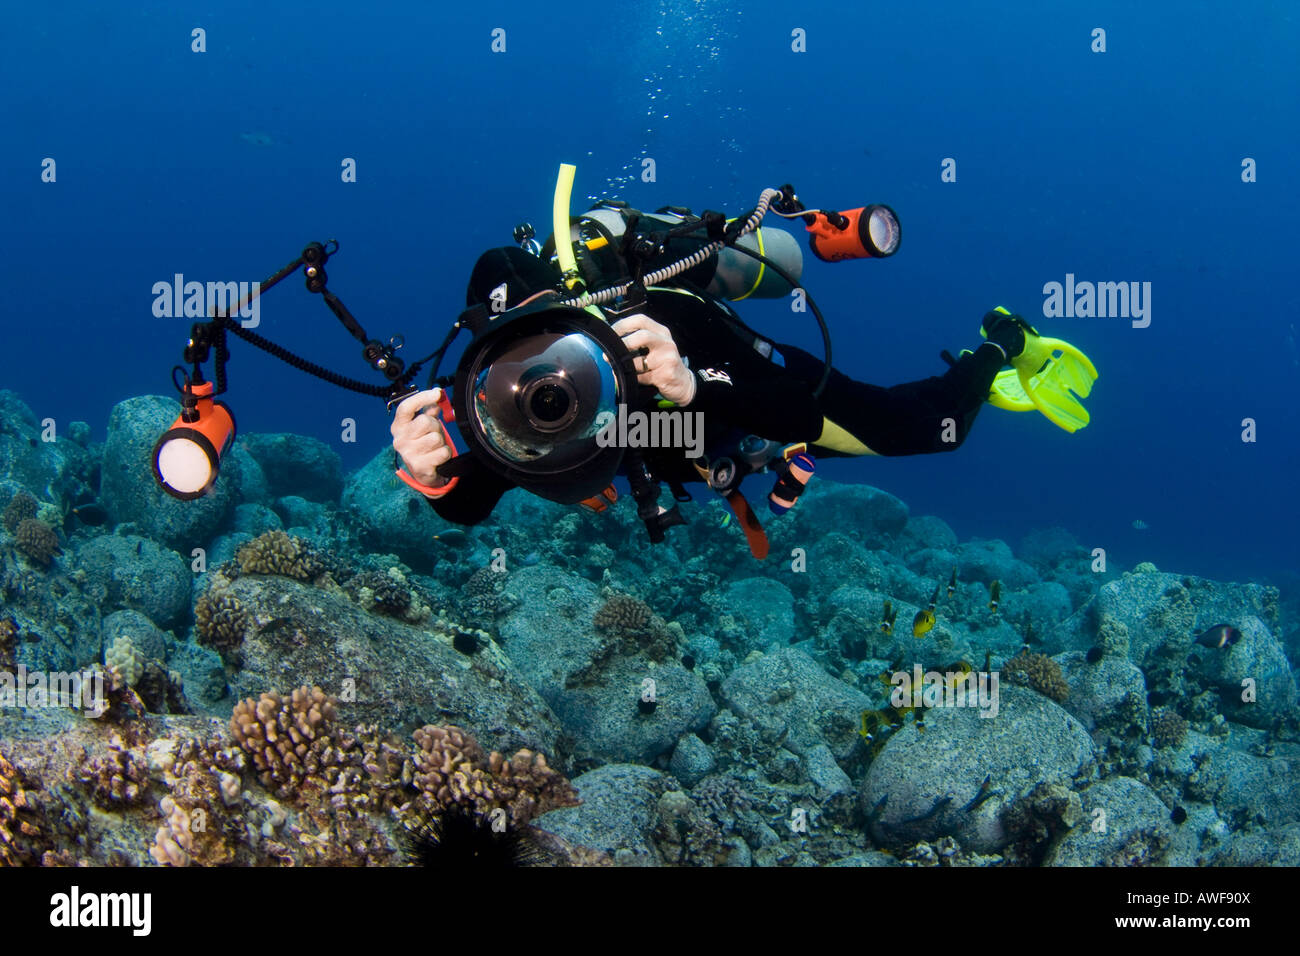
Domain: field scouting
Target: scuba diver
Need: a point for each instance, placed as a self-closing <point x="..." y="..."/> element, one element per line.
<point x="698" y="356"/>
<point x="763" y="405"/>
<point x="611" y="349"/>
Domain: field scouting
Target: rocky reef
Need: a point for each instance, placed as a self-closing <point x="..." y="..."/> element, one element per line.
<point x="309" y="667"/>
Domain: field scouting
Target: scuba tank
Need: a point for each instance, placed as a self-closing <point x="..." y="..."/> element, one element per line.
<point x="598" y="235"/>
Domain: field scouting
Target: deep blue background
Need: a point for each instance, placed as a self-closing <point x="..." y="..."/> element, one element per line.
<point x="1116" y="166"/>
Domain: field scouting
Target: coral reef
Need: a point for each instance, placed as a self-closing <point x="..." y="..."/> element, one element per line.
<point x="220" y="620"/>
<point x="695" y="708"/>
<point x="391" y="593"/>
<point x="37" y="540"/>
<point x="276" y="552"/>
<point x="634" y="628"/>
<point x="451" y="768"/>
<point x="128" y="661"/>
<point x="1035" y="820"/>
<point x="12" y="800"/>
<point x="20" y="508"/>
<point x="290" y="739"/>
<point x="482" y="597"/>
<point x="623" y="615"/>
<point x="1168" y="728"/>
<point x="1039" y="672"/>
<point x="118" y="777"/>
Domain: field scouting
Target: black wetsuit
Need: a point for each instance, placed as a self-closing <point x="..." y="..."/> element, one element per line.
<point x="742" y="392"/>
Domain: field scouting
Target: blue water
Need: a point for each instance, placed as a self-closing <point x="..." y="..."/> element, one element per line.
<point x="1115" y="166"/>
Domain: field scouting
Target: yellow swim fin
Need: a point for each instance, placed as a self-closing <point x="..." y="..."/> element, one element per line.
<point x="1050" y="375"/>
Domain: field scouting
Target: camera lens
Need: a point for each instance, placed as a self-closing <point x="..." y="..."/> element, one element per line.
<point x="549" y="403"/>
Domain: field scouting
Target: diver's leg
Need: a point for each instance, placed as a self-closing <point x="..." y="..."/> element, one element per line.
<point x="931" y="415"/>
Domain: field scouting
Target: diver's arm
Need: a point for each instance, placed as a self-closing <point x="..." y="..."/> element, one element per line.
<point x="475" y="495"/>
<point x="720" y="376"/>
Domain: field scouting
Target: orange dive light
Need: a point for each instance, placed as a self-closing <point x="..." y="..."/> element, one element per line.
<point x="870" y="232"/>
<point x="187" y="458"/>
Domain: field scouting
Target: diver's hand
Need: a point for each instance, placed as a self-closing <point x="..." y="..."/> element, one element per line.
<point x="419" y="438"/>
<point x="662" y="367"/>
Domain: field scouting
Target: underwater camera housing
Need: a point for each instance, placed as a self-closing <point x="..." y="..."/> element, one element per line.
<point x="532" y="391"/>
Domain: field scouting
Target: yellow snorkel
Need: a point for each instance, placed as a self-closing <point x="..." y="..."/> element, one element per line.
<point x="1050" y="375"/>
<point x="560" y="226"/>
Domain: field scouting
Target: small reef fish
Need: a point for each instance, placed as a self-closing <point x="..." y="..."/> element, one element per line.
<point x="995" y="596"/>
<point x="1027" y="626"/>
<point x="1219" y="636"/>
<point x="983" y="793"/>
<point x="887" y="617"/>
<point x="922" y="623"/>
<point x="876" y="729"/>
<point x="877" y="726"/>
<point x="1139" y="524"/>
<point x="90" y="514"/>
<point x="952" y="582"/>
<point x="924" y="620"/>
<point x="274" y="625"/>
<point x="452" y="538"/>
<point x="938" y="807"/>
<point x="958" y="674"/>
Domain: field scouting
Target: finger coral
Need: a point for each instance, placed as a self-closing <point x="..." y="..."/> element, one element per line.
<point x="201" y="811"/>
<point x="278" y="553"/>
<point x="21" y="507"/>
<point x="22" y="836"/>
<point x="220" y="620"/>
<point x="1168" y="728"/>
<point x="12" y="799"/>
<point x="289" y="738"/>
<point x="37" y="540"/>
<point x="634" y="627"/>
<point x="1039" y="672"/>
<point x="128" y="661"/>
<point x="118" y="777"/>
<point x="451" y="769"/>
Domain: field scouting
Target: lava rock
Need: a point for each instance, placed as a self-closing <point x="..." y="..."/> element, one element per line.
<point x="298" y="465"/>
<point x="1031" y="741"/>
<point x="787" y="693"/>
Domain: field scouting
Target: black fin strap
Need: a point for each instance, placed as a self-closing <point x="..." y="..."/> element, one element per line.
<point x="787" y="488"/>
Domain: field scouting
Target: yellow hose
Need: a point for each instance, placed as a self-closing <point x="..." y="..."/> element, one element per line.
<point x="560" y="226"/>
